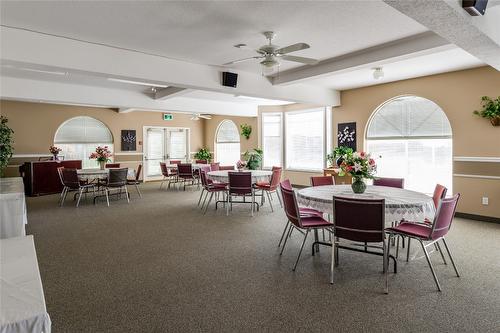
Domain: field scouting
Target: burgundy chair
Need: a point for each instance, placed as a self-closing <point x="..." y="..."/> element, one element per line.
<point x="214" y="166"/>
<point x="175" y="161"/>
<point x="112" y="165"/>
<point x="271" y="188"/>
<point x="265" y="182"/>
<point x="226" y="167"/>
<point x="117" y="180"/>
<point x="201" y="161"/>
<point x="389" y="182"/>
<point x="185" y="173"/>
<point x="69" y="178"/>
<point x="431" y="234"/>
<point x="361" y="221"/>
<point x="212" y="188"/>
<point x="240" y="184"/>
<point x="168" y="175"/>
<point x="322" y="180"/>
<point x="300" y="221"/>
<point x="136" y="181"/>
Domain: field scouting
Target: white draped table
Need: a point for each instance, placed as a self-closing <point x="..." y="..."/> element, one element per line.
<point x="12" y="207"/>
<point x="90" y="174"/>
<point x="399" y="203"/>
<point x="22" y="303"/>
<point x="257" y="175"/>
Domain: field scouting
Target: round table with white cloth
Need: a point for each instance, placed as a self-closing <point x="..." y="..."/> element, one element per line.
<point x="90" y="174"/>
<point x="194" y="166"/>
<point x="399" y="203"/>
<point x="257" y="175"/>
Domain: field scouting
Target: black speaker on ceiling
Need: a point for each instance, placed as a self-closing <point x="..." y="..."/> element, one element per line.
<point x="475" y="7"/>
<point x="229" y="79"/>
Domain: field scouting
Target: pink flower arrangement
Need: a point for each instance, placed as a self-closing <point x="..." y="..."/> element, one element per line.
<point x="241" y="164"/>
<point x="55" y="150"/>
<point x="359" y="165"/>
<point x="101" y="154"/>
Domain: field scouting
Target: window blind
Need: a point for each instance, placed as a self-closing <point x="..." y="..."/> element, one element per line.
<point x="228" y="132"/>
<point x="272" y="139"/>
<point x="83" y="130"/>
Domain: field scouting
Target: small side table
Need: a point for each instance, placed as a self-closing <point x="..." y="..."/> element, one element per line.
<point x="339" y="180"/>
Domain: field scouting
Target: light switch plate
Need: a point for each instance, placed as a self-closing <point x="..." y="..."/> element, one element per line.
<point x="485" y="201"/>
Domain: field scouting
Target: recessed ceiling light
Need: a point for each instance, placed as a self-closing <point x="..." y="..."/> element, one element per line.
<point x="141" y="83"/>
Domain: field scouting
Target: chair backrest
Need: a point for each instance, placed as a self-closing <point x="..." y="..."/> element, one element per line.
<point x="389" y="182"/>
<point x="112" y="165"/>
<point x="444" y="216"/>
<point x="215" y="166"/>
<point x="240" y="182"/>
<point x="322" y="180"/>
<point x="138" y="172"/>
<point x="185" y="169"/>
<point x="175" y="161"/>
<point x="286" y="184"/>
<point x="290" y="204"/>
<point x="117" y="177"/>
<point x="59" y="172"/>
<point x="439" y="193"/>
<point x="360" y="220"/>
<point x="70" y="178"/>
<point x="201" y="162"/>
<point x="164" y="169"/>
<point x="226" y="167"/>
<point x="275" y="179"/>
<point x="205" y="168"/>
<point x="203" y="178"/>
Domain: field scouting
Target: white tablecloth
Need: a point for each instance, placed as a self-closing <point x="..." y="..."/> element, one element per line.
<point x="195" y="166"/>
<point x="257" y="175"/>
<point x="90" y="174"/>
<point x="12" y="208"/>
<point x="399" y="203"/>
<point x="22" y="303"/>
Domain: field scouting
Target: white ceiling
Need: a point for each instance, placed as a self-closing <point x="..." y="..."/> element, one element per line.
<point x="205" y="31"/>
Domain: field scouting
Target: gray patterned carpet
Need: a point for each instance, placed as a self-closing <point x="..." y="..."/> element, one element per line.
<point x="158" y="265"/>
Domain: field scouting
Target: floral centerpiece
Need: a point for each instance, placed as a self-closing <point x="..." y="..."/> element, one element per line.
<point x="102" y="155"/>
<point x="55" y="151"/>
<point x="240" y="165"/>
<point x="360" y="166"/>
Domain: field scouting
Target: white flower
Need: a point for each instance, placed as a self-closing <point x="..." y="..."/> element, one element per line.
<point x="357" y="166"/>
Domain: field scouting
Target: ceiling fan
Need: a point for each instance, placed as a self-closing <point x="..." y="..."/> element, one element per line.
<point x="198" y="116"/>
<point x="270" y="53"/>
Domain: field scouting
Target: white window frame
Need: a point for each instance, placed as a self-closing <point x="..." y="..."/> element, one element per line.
<point x="282" y="136"/>
<point x="216" y="143"/>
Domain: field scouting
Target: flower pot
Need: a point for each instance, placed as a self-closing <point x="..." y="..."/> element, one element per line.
<point x="358" y="185"/>
<point x="102" y="164"/>
<point x="495" y="121"/>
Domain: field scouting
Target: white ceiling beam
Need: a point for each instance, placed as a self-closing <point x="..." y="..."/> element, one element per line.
<point x="170" y="92"/>
<point x="77" y="94"/>
<point x="401" y="49"/>
<point x="25" y="48"/>
<point x="126" y="110"/>
<point x="447" y="19"/>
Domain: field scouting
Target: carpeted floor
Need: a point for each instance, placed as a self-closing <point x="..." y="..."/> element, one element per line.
<point x="157" y="265"/>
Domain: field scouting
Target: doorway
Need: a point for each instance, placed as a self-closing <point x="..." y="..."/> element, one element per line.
<point x="163" y="144"/>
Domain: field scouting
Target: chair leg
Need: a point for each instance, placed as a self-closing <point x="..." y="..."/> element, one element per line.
<point x="408" y="250"/>
<point x="204" y="199"/>
<point x="286" y="238"/>
<point x="208" y="204"/>
<point x="284" y="231"/>
<point x="386" y="249"/>
<point x="269" y="199"/>
<point x="63" y="196"/>
<point x="227" y="207"/>
<point x="430" y="265"/>
<point x="442" y="254"/>
<point x="138" y="191"/>
<point x="451" y="258"/>
<point x="333" y="261"/>
<point x="126" y="194"/>
<point x="253" y="201"/>
<point x="201" y="195"/>
<point x="279" y="198"/>
<point x="336" y="253"/>
<point x="300" y="252"/>
<point x="80" y="192"/>
<point x="107" y="196"/>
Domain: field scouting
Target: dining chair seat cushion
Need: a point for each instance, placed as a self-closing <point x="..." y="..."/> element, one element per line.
<point x="310" y="211"/>
<point x="218" y="185"/>
<point x="412" y="229"/>
<point x="315" y="221"/>
<point x="263" y="183"/>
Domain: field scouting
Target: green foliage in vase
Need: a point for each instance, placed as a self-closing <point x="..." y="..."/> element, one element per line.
<point x="203" y="154"/>
<point x="246" y="130"/>
<point x="491" y="108"/>
<point x="340" y="151"/>
<point x="254" y="159"/>
<point x="6" y="140"/>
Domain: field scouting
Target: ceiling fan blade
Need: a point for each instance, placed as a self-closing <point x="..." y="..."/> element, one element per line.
<point x="205" y="116"/>
<point x="241" y="60"/>
<point x="292" y="48"/>
<point x="304" y="60"/>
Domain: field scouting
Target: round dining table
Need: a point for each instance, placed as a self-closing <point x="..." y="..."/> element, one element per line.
<point x="399" y="203"/>
<point x="90" y="174"/>
<point x="257" y="175"/>
<point x="195" y="166"/>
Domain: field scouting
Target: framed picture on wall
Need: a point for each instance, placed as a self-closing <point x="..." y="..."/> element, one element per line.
<point x="128" y="140"/>
<point x="346" y="135"/>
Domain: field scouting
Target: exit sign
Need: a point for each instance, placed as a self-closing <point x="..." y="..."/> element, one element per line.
<point x="168" y="116"/>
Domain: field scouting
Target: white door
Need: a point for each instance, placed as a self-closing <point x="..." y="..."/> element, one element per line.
<point x="177" y="144"/>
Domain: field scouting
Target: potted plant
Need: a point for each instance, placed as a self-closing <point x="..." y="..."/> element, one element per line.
<point x="360" y="166"/>
<point x="253" y="159"/>
<point x="102" y="155"/>
<point x="6" y="149"/>
<point x="203" y="154"/>
<point x="338" y="154"/>
<point x="246" y="130"/>
<point x="55" y="151"/>
<point x="491" y="110"/>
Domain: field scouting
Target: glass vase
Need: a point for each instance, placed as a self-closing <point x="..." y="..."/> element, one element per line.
<point x="102" y="164"/>
<point x="358" y="185"/>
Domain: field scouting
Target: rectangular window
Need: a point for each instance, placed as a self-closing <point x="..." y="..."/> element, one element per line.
<point x="272" y="139"/>
<point x="305" y="134"/>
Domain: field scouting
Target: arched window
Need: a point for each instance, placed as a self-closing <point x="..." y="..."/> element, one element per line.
<point x="227" y="143"/>
<point x="78" y="137"/>
<point x="412" y="136"/>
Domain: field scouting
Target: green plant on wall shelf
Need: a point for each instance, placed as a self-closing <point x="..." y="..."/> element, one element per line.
<point x="246" y="130"/>
<point x="6" y="149"/>
<point x="253" y="159"/>
<point x="203" y="154"/>
<point x="491" y="110"/>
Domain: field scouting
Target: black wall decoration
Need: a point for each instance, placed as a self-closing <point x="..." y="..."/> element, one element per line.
<point x="346" y="135"/>
<point x="128" y="140"/>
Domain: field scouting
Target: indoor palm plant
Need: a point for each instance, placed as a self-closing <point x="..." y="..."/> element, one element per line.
<point x="491" y="110"/>
<point x="360" y="166"/>
<point x="6" y="149"/>
<point x="203" y="154"/>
